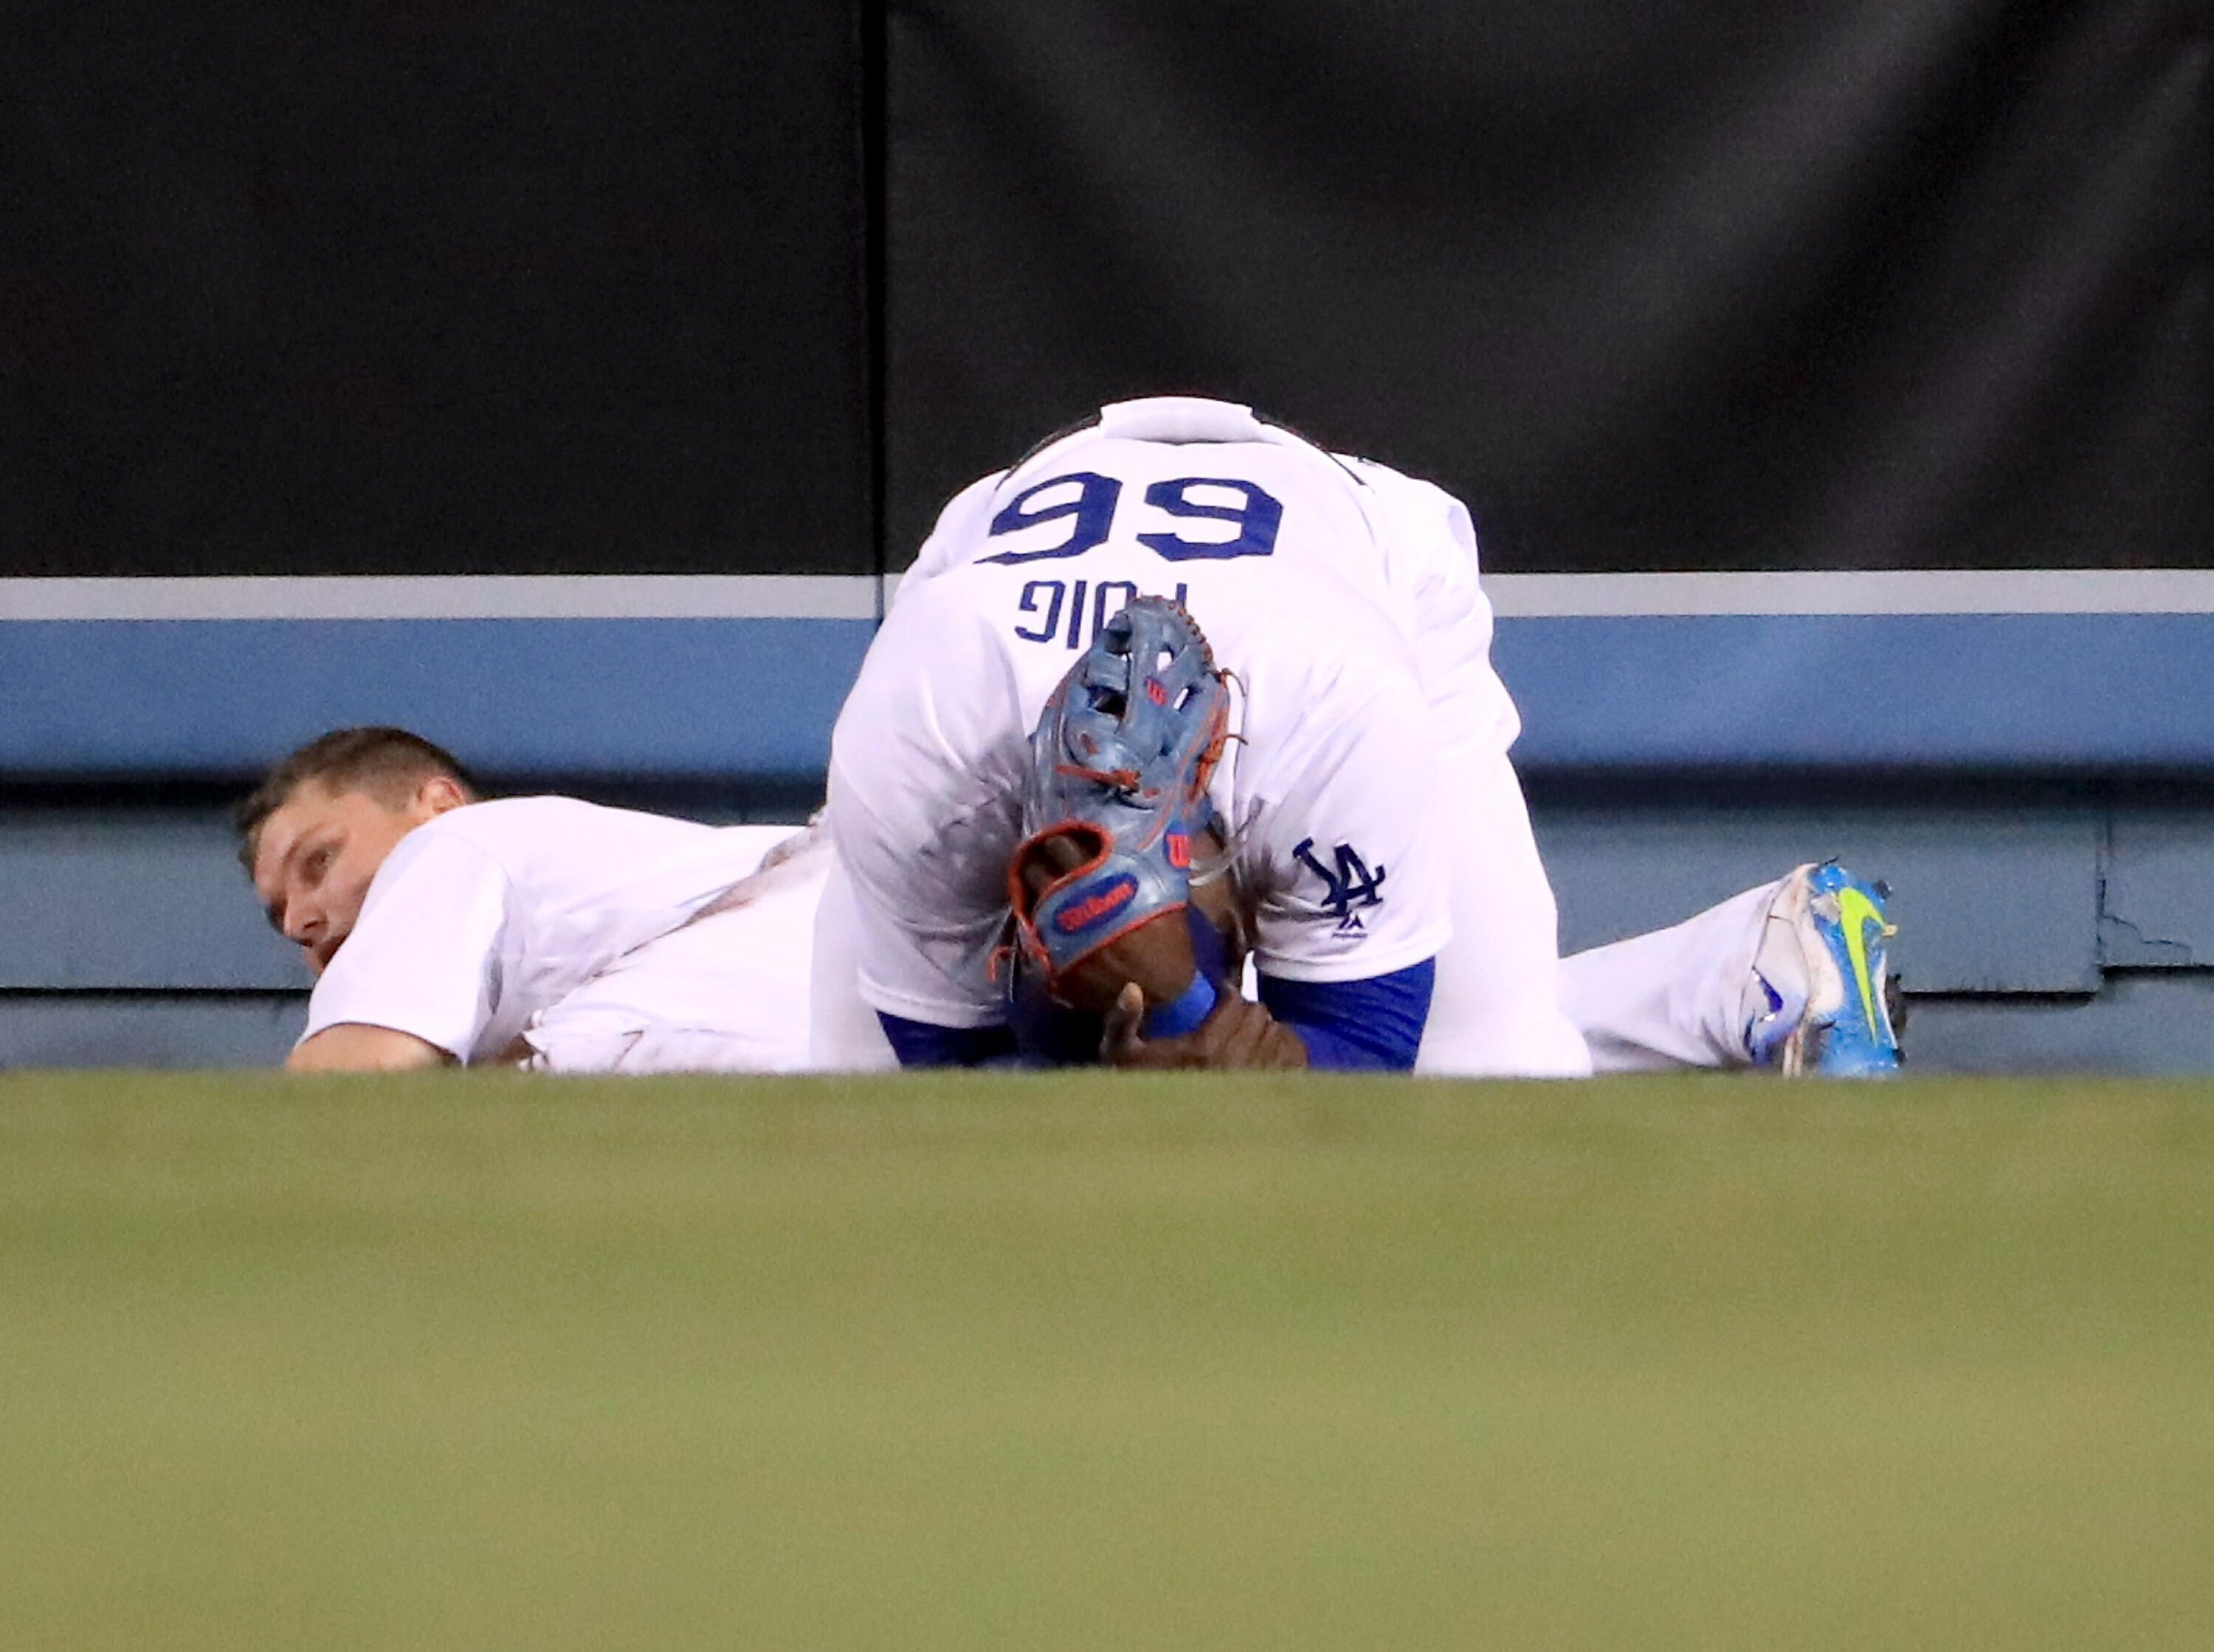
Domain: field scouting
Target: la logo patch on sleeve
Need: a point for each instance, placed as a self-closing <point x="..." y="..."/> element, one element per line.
<point x="1349" y="888"/>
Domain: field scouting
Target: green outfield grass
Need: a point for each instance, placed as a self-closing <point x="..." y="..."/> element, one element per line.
<point x="476" y="1361"/>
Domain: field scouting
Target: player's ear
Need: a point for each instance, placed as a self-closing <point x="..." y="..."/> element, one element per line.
<point x="438" y="794"/>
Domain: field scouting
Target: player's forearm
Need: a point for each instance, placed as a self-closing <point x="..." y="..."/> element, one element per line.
<point x="355" y="1047"/>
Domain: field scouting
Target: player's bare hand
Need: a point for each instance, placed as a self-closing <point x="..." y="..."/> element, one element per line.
<point x="1236" y="1035"/>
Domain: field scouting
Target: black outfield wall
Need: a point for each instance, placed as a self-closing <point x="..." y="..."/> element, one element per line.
<point x="510" y="286"/>
<point x="529" y="287"/>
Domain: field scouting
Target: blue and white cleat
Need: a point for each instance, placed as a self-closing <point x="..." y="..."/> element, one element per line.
<point x="1820" y="977"/>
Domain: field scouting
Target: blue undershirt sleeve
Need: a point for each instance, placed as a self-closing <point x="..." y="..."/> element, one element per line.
<point x="1376" y="1023"/>
<point x="919" y="1044"/>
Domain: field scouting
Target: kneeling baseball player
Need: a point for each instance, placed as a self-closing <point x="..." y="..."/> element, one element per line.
<point x="1181" y="624"/>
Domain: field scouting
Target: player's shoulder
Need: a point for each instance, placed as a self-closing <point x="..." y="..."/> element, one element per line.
<point x="1428" y="534"/>
<point x="519" y="831"/>
<point x="496" y="833"/>
<point x="494" y="819"/>
<point x="953" y="537"/>
<point x="944" y="607"/>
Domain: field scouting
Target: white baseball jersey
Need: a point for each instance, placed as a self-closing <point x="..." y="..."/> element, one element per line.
<point x="485" y="922"/>
<point x="1340" y="596"/>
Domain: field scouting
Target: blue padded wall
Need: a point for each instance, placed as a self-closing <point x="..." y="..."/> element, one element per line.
<point x="2039" y="692"/>
<point x="2053" y="865"/>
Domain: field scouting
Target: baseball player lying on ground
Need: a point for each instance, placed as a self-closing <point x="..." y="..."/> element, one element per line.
<point x="1179" y="621"/>
<point x="541" y="930"/>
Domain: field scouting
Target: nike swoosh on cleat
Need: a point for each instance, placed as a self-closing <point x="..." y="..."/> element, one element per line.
<point x="1854" y="912"/>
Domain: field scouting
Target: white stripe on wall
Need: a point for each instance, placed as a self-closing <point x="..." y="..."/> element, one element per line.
<point x="453" y="596"/>
<point x="812" y="596"/>
<point x="2128" y="590"/>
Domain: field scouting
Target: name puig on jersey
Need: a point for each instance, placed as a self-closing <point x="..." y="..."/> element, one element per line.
<point x="1072" y="611"/>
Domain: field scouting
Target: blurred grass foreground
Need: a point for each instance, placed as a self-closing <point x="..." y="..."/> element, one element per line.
<point x="1088" y="1361"/>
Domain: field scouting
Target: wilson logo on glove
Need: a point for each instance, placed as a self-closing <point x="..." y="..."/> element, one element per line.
<point x="1100" y="902"/>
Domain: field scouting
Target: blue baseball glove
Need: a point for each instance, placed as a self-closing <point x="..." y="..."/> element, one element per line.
<point x="1118" y="793"/>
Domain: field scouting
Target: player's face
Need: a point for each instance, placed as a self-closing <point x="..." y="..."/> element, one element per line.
<point x="318" y="853"/>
